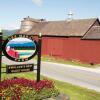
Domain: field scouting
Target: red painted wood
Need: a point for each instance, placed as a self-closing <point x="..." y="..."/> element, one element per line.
<point x="72" y="48"/>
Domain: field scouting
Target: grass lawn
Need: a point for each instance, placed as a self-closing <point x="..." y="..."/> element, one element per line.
<point x="75" y="92"/>
<point x="70" y="62"/>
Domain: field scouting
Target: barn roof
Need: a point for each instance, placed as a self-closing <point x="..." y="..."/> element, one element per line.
<point x="62" y="28"/>
<point x="93" y="33"/>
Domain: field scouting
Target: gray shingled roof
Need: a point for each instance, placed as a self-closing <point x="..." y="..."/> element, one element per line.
<point x="62" y="28"/>
<point x="93" y="33"/>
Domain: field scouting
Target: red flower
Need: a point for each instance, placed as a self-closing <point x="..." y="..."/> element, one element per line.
<point x="24" y="83"/>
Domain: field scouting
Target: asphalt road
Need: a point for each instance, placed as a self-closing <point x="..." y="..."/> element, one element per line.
<point x="85" y="77"/>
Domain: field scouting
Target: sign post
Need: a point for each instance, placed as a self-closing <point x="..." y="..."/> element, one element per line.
<point x="0" y="55"/>
<point x="14" y="50"/>
<point x="39" y="57"/>
<point x="0" y="52"/>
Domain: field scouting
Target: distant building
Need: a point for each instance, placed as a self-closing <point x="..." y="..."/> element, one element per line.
<point x="77" y="39"/>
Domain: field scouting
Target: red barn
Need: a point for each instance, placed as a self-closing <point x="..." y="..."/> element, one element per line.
<point x="13" y="53"/>
<point x="77" y="39"/>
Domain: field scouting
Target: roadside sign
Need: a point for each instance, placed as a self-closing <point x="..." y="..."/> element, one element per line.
<point x="21" y="48"/>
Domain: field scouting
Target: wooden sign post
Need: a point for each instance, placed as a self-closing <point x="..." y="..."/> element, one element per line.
<point x="10" y="69"/>
<point x="0" y="52"/>
<point x="21" y="67"/>
<point x="39" y="57"/>
<point x="0" y="55"/>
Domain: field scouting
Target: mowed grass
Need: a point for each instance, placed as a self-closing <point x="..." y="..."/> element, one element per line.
<point x="77" y="93"/>
<point x="74" y="92"/>
<point x="70" y="62"/>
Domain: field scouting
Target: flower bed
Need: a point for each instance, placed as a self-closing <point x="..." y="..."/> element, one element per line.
<point x="25" y="89"/>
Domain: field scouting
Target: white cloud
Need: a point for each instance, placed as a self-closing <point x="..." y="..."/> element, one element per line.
<point x="38" y="2"/>
<point x="9" y="26"/>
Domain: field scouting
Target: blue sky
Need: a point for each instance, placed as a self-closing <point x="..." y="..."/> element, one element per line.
<point x="13" y="11"/>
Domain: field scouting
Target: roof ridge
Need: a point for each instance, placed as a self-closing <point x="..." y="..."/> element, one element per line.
<point x="71" y="20"/>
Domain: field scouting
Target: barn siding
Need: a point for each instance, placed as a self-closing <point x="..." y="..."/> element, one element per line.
<point x="72" y="48"/>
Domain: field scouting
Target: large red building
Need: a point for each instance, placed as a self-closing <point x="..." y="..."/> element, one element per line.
<point x="77" y="39"/>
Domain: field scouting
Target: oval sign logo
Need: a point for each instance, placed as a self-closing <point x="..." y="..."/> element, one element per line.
<point x="20" y="47"/>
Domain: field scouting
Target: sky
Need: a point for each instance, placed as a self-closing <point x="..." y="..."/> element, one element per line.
<point x="13" y="11"/>
<point x="21" y="40"/>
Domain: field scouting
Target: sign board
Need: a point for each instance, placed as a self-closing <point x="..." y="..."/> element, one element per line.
<point x="20" y="47"/>
<point x="19" y="68"/>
